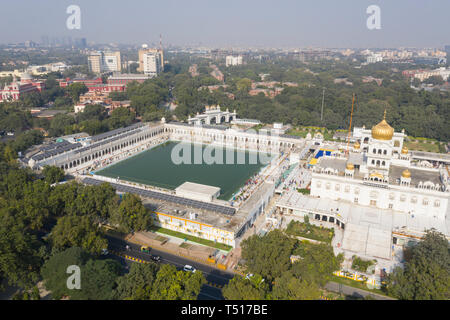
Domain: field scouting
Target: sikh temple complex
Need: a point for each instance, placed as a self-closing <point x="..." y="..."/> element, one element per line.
<point x="375" y="194"/>
<point x="378" y="172"/>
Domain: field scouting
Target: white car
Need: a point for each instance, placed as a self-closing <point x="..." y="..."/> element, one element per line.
<point x="189" y="268"/>
<point x="105" y="252"/>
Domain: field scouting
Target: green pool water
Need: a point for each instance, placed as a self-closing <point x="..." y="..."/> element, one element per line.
<point x="155" y="167"/>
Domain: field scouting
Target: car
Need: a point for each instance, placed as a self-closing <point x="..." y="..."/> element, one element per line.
<point x="105" y="252"/>
<point x="249" y="275"/>
<point x="156" y="258"/>
<point x="189" y="268"/>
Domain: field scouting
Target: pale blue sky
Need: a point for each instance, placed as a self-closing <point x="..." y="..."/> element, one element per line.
<point x="294" y="23"/>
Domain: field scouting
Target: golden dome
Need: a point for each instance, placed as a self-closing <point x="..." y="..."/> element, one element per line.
<point x="404" y="150"/>
<point x="356" y="145"/>
<point x="382" y="131"/>
<point x="377" y="175"/>
<point x="406" y="174"/>
<point x="350" y="166"/>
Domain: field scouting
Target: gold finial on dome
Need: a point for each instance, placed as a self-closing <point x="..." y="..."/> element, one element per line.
<point x="356" y="145"/>
<point x="382" y="131"/>
<point x="404" y="150"/>
<point x="350" y="166"/>
<point x="406" y="174"/>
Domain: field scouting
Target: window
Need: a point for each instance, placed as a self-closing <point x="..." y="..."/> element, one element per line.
<point x="317" y="217"/>
<point x="391" y="196"/>
<point x="356" y="190"/>
<point x="327" y="186"/>
<point x="324" y="218"/>
<point x="347" y="189"/>
<point x="331" y="220"/>
<point x="373" y="161"/>
<point x="414" y="200"/>
<point x="437" y="203"/>
<point x="373" y="202"/>
<point x="319" y="184"/>
<point x="337" y="187"/>
<point x="356" y="200"/>
<point x="391" y="205"/>
<point x="425" y="201"/>
<point x="402" y="198"/>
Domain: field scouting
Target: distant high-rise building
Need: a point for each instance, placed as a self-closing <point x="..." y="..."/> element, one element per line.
<point x="80" y="43"/>
<point x="150" y="51"/>
<point x="233" y="61"/>
<point x="152" y="63"/>
<point x="99" y="62"/>
<point x="95" y="62"/>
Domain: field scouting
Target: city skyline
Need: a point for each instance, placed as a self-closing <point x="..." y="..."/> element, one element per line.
<point x="252" y="24"/>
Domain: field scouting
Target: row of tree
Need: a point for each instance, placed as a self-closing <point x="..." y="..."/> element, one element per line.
<point x="104" y="279"/>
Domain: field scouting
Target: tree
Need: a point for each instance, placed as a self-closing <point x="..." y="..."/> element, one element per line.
<point x="268" y="255"/>
<point x="19" y="259"/>
<point x="131" y="214"/>
<point x="435" y="80"/>
<point x="244" y="84"/>
<point x="120" y="117"/>
<point x="240" y="288"/>
<point x="54" y="270"/>
<point x="75" y="90"/>
<point x="97" y="277"/>
<point x="317" y="263"/>
<point x="138" y="283"/>
<point x="78" y="231"/>
<point x="53" y="174"/>
<point x="171" y="284"/>
<point x="98" y="280"/>
<point x="426" y="274"/>
<point x="289" y="287"/>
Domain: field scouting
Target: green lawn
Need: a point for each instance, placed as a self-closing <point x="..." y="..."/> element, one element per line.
<point x="422" y="146"/>
<point x="307" y="230"/>
<point x="180" y="235"/>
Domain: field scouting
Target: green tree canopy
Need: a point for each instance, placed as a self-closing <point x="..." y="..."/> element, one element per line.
<point x="426" y="275"/>
<point x="138" y="283"/>
<point x="240" y="288"/>
<point x="53" y="174"/>
<point x="171" y="284"/>
<point x="131" y="214"/>
<point x="78" y="231"/>
<point x="268" y="255"/>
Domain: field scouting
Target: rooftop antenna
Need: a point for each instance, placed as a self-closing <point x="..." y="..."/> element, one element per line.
<point x="350" y="126"/>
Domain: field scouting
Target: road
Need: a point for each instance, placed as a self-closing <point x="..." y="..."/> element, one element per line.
<point x="355" y="292"/>
<point x="216" y="278"/>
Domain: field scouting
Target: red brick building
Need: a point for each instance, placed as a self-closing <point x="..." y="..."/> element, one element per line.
<point x="16" y="89"/>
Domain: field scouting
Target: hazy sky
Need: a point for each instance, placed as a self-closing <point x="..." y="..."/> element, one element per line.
<point x="293" y="23"/>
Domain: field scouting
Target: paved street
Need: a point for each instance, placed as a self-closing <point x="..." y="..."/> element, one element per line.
<point x="216" y="278"/>
<point x="355" y="292"/>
